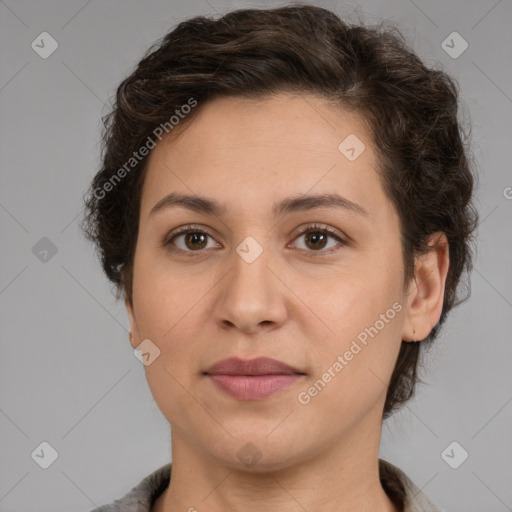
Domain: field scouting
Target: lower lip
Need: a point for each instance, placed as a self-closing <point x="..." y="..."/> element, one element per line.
<point x="253" y="387"/>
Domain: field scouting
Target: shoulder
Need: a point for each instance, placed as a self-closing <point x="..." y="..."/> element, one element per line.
<point x="141" y="497"/>
<point x="402" y="490"/>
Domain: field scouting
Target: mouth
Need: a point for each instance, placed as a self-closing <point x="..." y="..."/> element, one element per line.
<point x="252" y="379"/>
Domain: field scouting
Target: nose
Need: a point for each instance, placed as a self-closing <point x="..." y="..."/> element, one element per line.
<point x="251" y="297"/>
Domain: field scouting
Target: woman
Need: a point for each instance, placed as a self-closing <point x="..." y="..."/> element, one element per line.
<point x="285" y="204"/>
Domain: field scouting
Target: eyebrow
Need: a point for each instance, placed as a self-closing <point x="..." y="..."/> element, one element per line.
<point x="209" y="206"/>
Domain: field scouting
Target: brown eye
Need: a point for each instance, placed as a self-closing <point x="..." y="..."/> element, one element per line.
<point x="188" y="240"/>
<point x="316" y="239"/>
<point x="195" y="240"/>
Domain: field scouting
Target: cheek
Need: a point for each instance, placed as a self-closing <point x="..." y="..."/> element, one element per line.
<point x="167" y="314"/>
<point x="164" y="295"/>
<point x="164" y="313"/>
<point x="354" y="300"/>
<point x="364" y="317"/>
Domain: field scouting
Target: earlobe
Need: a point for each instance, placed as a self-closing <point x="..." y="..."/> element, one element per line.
<point x="426" y="291"/>
<point x="131" y="319"/>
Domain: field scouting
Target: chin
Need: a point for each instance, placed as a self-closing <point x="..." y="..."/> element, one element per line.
<point x="255" y="452"/>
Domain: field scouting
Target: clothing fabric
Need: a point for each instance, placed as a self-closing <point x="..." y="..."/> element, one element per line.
<point x="395" y="482"/>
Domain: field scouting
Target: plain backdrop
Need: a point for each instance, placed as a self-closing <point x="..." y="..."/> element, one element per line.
<point x="68" y="376"/>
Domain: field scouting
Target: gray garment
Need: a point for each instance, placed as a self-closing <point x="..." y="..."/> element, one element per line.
<point x="141" y="497"/>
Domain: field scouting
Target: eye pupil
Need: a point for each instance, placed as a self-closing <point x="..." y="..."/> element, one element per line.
<point x="191" y="237"/>
<point x="315" y="237"/>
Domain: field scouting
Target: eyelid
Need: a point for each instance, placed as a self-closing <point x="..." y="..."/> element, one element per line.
<point x="319" y="226"/>
<point x="185" y="229"/>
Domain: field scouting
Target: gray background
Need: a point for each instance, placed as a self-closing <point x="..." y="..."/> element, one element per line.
<point x="68" y="375"/>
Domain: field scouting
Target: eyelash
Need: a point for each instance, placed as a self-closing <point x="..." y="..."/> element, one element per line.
<point x="191" y="228"/>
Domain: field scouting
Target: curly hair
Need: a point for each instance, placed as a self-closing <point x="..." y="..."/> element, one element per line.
<point x="410" y="110"/>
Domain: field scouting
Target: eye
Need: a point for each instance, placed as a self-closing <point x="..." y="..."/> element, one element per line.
<point x="193" y="239"/>
<point x="316" y="238"/>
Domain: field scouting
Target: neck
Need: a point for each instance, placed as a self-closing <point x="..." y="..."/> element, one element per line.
<point x="338" y="479"/>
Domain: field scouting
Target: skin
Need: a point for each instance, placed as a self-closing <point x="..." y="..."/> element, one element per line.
<point x="301" y="302"/>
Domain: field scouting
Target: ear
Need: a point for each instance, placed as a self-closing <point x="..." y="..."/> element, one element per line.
<point x="425" y="294"/>
<point x="134" y="333"/>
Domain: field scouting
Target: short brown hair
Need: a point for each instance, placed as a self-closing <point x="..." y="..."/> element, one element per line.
<point x="410" y="110"/>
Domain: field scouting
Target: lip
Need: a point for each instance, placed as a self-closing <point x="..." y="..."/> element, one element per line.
<point x="252" y="379"/>
<point x="257" y="366"/>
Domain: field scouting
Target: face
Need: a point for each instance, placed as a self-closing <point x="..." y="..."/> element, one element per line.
<point x="248" y="280"/>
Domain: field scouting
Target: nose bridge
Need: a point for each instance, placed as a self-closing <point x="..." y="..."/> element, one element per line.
<point x="251" y="293"/>
<point x="250" y="260"/>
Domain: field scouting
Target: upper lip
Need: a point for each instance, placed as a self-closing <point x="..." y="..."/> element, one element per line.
<point x="257" y="366"/>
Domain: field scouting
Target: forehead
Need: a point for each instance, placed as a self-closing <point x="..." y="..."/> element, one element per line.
<point x="284" y="119"/>
<point x="246" y="150"/>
